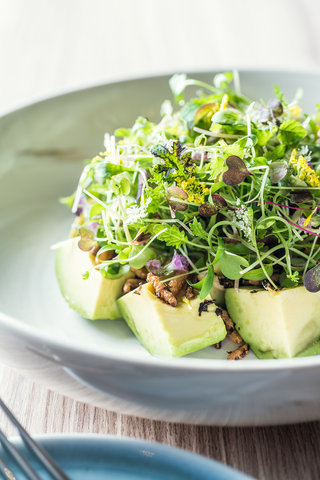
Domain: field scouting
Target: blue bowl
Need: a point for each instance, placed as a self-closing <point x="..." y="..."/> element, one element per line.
<point x="99" y="457"/>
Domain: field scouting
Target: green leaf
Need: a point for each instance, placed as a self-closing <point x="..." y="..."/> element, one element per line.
<point x="291" y="132"/>
<point x="235" y="148"/>
<point x="263" y="136"/>
<point x="207" y="283"/>
<point x="108" y="169"/>
<point x="220" y="251"/>
<point x="200" y="139"/>
<point x="95" y="210"/>
<point x="289" y="281"/>
<point x="122" y="132"/>
<point x="166" y="108"/>
<point x="120" y="184"/>
<point x="172" y="236"/>
<point x="205" y="112"/>
<point x="238" y="249"/>
<point x="258" y="274"/>
<point x="217" y="166"/>
<point x="68" y="200"/>
<point x="227" y="117"/>
<point x="198" y="230"/>
<point x="277" y="153"/>
<point x="231" y="265"/>
<point x="177" y="84"/>
<point x="141" y="260"/>
<point x="217" y="186"/>
<point x="222" y="80"/>
<point x="280" y="95"/>
<point x="197" y="285"/>
<point x="114" y="270"/>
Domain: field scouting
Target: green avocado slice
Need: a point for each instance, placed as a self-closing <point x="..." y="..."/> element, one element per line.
<point x="93" y="298"/>
<point x="281" y="324"/>
<point x="170" y="331"/>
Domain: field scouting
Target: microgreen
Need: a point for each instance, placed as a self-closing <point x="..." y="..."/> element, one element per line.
<point x="237" y="171"/>
<point x="174" y="196"/>
<point x="278" y="170"/>
<point x="312" y="279"/>
<point x="207" y="283"/>
<point x="220" y="179"/>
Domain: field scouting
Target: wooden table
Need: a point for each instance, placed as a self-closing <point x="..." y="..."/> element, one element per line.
<point x="266" y="453"/>
<point x="47" y="47"/>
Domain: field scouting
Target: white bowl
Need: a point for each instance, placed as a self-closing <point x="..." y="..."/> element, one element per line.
<point x="42" y="148"/>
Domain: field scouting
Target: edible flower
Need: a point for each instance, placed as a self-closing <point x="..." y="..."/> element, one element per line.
<point x="305" y="172"/>
<point x="295" y="111"/>
<point x="196" y="190"/>
<point x="224" y="102"/>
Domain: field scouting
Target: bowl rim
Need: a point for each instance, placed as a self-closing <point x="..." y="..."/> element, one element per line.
<point x="31" y="333"/>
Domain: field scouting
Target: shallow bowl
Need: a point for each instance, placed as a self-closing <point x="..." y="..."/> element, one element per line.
<point x="42" y="148"/>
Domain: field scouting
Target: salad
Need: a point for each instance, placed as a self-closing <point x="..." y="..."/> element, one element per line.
<point x="216" y="205"/>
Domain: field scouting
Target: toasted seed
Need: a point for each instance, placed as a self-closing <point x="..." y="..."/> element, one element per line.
<point x="140" y="272"/>
<point x="231" y="331"/>
<point x="161" y="290"/>
<point x="239" y="353"/>
<point x="131" y="284"/>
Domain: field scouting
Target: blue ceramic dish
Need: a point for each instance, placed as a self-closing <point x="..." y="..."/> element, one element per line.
<point x="99" y="457"/>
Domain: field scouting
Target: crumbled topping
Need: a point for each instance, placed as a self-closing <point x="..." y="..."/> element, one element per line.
<point x="239" y="353"/>
<point x="203" y="306"/>
<point x="161" y="290"/>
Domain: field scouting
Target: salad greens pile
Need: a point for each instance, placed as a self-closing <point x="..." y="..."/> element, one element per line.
<point x="219" y="180"/>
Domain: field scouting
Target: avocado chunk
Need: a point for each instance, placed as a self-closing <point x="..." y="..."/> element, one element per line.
<point x="217" y="292"/>
<point x="281" y="324"/>
<point x="93" y="298"/>
<point x="170" y="331"/>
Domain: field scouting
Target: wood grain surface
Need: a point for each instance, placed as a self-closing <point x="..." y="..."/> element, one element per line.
<point x="267" y="453"/>
<point x="47" y="47"/>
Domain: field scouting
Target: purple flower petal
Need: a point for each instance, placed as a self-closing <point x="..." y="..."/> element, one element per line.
<point x="140" y="184"/>
<point x="93" y="226"/>
<point x="154" y="266"/>
<point x="301" y="220"/>
<point x="81" y="203"/>
<point x="179" y="262"/>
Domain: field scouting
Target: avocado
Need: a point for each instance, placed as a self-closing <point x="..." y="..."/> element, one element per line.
<point x="217" y="292"/>
<point x="277" y="324"/>
<point x="93" y="298"/>
<point x="170" y="331"/>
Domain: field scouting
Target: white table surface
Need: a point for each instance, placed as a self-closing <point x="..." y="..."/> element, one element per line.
<point x="48" y="47"/>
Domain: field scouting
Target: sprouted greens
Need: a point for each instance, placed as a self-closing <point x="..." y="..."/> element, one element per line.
<point x="219" y="180"/>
